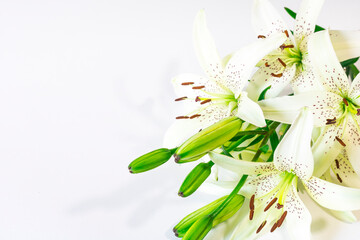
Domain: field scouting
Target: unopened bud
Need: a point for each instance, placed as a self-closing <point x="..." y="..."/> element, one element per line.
<point x="150" y="160"/>
<point x="231" y="208"/>
<point x="208" y="139"/>
<point x="199" y="229"/>
<point x="195" y="178"/>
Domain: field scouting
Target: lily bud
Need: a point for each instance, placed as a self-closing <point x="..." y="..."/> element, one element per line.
<point x="150" y="160"/>
<point x="200" y="228"/>
<point x="195" y="178"/>
<point x="208" y="139"/>
<point x="231" y="208"/>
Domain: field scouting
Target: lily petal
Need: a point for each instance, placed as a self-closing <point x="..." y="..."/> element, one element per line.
<point x="293" y="154"/>
<point x="344" y="171"/>
<point x="265" y="18"/>
<point x="306" y="18"/>
<point x="206" y="51"/>
<point x="355" y="90"/>
<point x="333" y="196"/>
<point x="240" y="166"/>
<point x="250" y="111"/>
<point x="242" y="63"/>
<point x="285" y="109"/>
<point x="345" y="43"/>
<point x="324" y="60"/>
<point x="352" y="141"/>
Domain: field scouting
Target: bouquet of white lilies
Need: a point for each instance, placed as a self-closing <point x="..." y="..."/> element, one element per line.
<point x="276" y="117"/>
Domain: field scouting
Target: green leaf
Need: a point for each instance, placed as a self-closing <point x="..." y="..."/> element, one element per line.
<point x="348" y="62"/>
<point x="253" y="142"/>
<point x="352" y="71"/>
<point x="274" y="140"/>
<point x="264" y="148"/>
<point x="293" y="15"/>
<point x="262" y="94"/>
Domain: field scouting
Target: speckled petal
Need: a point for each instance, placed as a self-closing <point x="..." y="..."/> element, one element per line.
<point x="345" y="43"/>
<point x="326" y="64"/>
<point x="354" y="93"/>
<point x="352" y="140"/>
<point x="344" y="172"/>
<point x="306" y="18"/>
<point x="333" y="196"/>
<point x="293" y="154"/>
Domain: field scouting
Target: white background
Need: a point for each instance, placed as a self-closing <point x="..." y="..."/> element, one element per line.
<point x="84" y="89"/>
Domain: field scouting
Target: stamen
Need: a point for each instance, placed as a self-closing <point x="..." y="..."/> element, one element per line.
<point x="345" y="102"/>
<point x="261" y="227"/>
<point x="282" y="62"/>
<point x="279" y="206"/>
<point x="340" y="141"/>
<point x="283" y="46"/>
<point x="205" y="101"/>
<point x="187" y="83"/>
<point x="180" y="99"/>
<point x="251" y="215"/>
<point x="197" y="99"/>
<point x="286" y="33"/>
<point x="338" y="177"/>
<point x="195" y="116"/>
<point x="276" y="75"/>
<point x="331" y="121"/>
<point x="198" y="87"/>
<point x="267" y="64"/>
<point x="200" y="130"/>
<point x="273" y="227"/>
<point x="337" y="164"/>
<point x="358" y="112"/>
<point x="252" y="200"/>
<point x="261" y="36"/>
<point x="270" y="204"/>
<point x="182" y="117"/>
<point x="282" y="218"/>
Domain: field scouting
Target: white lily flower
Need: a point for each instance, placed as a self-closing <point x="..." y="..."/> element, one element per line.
<point x="275" y="199"/>
<point x="220" y="94"/>
<point x="290" y="63"/>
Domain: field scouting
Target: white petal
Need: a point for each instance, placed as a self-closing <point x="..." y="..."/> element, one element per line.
<point x="242" y="63"/>
<point x="352" y="140"/>
<point x="326" y="64"/>
<point x="306" y="18"/>
<point x="326" y="149"/>
<point x="354" y="93"/>
<point x="240" y="166"/>
<point x="265" y="18"/>
<point x="333" y="196"/>
<point x="293" y="154"/>
<point x="206" y="51"/>
<point x="345" y="43"/>
<point x="345" y="216"/>
<point x="342" y="167"/>
<point x="324" y="105"/>
<point x="298" y="219"/>
<point x="250" y="111"/>
<point x="262" y="79"/>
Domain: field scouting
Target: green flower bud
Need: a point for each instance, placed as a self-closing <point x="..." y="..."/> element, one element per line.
<point x="199" y="229"/>
<point x="195" y="178"/>
<point x="151" y="160"/>
<point x="233" y="206"/>
<point x="208" y="139"/>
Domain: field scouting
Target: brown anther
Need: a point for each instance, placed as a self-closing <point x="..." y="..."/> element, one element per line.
<point x="273" y="227"/>
<point x="338" y="177"/>
<point x="270" y="204"/>
<point x="281" y="220"/>
<point x="337" y="164"/>
<point x="195" y="116"/>
<point x="282" y="62"/>
<point x="252" y="200"/>
<point x="283" y="46"/>
<point x="331" y="121"/>
<point x="267" y="64"/>
<point x="261" y="227"/>
<point x="182" y="117"/>
<point x="286" y="33"/>
<point x="358" y="112"/>
<point x="261" y="36"/>
<point x="279" y="206"/>
<point x="251" y="215"/>
<point x="205" y="101"/>
<point x="340" y="141"/>
<point x="187" y="83"/>
<point x="200" y="130"/>
<point x="180" y="99"/>
<point x="345" y="102"/>
<point x="198" y="87"/>
<point x="276" y="75"/>
<point x="197" y="99"/>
